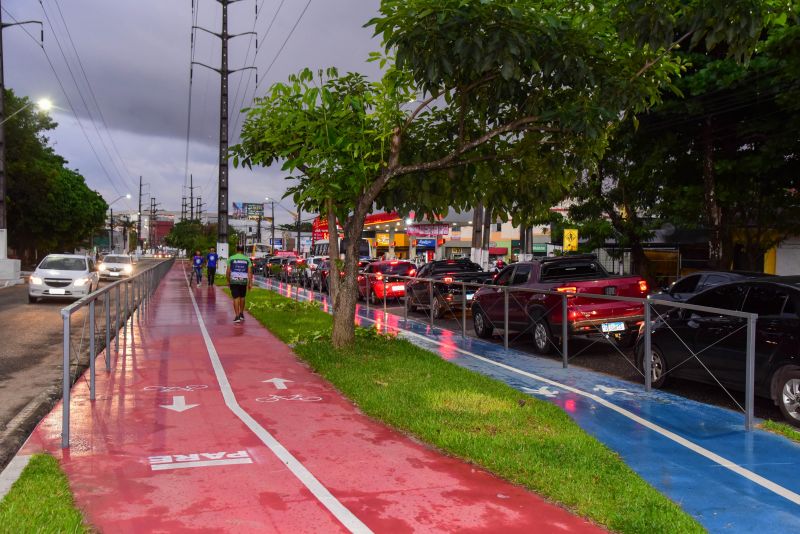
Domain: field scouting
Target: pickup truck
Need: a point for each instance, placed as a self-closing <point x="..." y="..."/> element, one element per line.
<point x="446" y="288"/>
<point x="541" y="313"/>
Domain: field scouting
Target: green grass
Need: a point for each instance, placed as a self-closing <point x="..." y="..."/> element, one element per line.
<point x="524" y="440"/>
<point x="783" y="429"/>
<point x="40" y="501"/>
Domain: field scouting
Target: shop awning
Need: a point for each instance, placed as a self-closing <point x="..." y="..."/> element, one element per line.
<point x="498" y="251"/>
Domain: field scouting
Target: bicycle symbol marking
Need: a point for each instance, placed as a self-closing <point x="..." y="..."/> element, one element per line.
<point x="167" y="389"/>
<point x="276" y="398"/>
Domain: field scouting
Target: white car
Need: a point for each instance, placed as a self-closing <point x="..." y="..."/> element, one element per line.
<point x="313" y="263"/>
<point x="115" y="266"/>
<point x="63" y="276"/>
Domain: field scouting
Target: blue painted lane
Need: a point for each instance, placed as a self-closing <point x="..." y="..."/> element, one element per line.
<point x="698" y="455"/>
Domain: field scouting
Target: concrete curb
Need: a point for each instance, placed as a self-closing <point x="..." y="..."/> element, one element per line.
<point x="12" y="473"/>
<point x="21" y="426"/>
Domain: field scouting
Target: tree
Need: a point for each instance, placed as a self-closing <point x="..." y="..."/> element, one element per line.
<point x="192" y="235"/>
<point x="50" y="206"/>
<point x="514" y="99"/>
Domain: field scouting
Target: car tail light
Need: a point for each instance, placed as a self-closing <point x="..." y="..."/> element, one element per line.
<point x="447" y="279"/>
<point x="289" y="269"/>
<point x="412" y="272"/>
<point x="379" y="277"/>
<point x="643" y="286"/>
<point x="567" y="289"/>
<point x="394" y="262"/>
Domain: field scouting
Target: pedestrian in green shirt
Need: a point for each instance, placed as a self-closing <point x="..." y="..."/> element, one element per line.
<point x="240" y="279"/>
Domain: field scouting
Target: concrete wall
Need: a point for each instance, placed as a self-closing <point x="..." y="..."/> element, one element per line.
<point x="787" y="261"/>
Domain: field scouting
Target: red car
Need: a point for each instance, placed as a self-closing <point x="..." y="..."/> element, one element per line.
<point x="379" y="280"/>
<point x="579" y="276"/>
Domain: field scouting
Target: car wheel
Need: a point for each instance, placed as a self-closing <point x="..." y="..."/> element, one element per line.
<point x="543" y="341"/>
<point x="789" y="396"/>
<point x="437" y="308"/>
<point x="32" y="299"/>
<point x="409" y="299"/>
<point x="658" y="365"/>
<point x="483" y="327"/>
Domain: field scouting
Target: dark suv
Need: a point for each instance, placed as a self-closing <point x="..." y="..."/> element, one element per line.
<point x="711" y="347"/>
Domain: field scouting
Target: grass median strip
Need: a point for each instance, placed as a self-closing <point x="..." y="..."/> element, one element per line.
<point x="783" y="429"/>
<point x="522" y="439"/>
<point x="41" y="501"/>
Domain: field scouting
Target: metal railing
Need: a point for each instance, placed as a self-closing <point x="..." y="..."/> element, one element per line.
<point x="460" y="305"/>
<point x="131" y="297"/>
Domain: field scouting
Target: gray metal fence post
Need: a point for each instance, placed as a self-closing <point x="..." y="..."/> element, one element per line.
<point x="116" y="320"/>
<point x="505" y="318"/>
<point x="66" y="385"/>
<point x="463" y="310"/>
<point x="125" y="323"/>
<point x="750" y="372"/>
<point x="647" y="356"/>
<point x="368" y="289"/>
<point x="564" y="333"/>
<point x="92" y="354"/>
<point x="107" y="305"/>
<point x="385" y="315"/>
<point x="430" y="301"/>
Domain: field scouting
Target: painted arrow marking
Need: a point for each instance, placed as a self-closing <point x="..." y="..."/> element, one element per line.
<point x="544" y="390"/>
<point x="610" y="391"/>
<point x="179" y="404"/>
<point x="280" y="383"/>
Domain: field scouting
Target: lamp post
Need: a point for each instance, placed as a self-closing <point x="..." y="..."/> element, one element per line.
<point x="294" y="215"/>
<point x="111" y="221"/>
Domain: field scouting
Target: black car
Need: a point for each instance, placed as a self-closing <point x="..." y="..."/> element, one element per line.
<point x="259" y="266"/>
<point x="692" y="284"/>
<point x="446" y="290"/>
<point x="710" y="347"/>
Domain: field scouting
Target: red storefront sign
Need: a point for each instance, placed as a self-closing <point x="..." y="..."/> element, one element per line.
<point x="428" y="230"/>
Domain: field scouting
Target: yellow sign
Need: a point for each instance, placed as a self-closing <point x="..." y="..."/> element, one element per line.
<point x="382" y="240"/>
<point x="570" y="239"/>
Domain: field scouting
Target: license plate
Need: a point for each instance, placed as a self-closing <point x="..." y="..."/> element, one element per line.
<point x="58" y="291"/>
<point x="398" y="288"/>
<point x="610" y="290"/>
<point x="114" y="274"/>
<point x="612" y="327"/>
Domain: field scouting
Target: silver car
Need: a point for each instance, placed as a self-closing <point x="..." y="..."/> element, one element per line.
<point x="63" y="276"/>
<point x="115" y="266"/>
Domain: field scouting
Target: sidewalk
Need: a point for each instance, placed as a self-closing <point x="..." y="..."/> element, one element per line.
<point x="204" y="425"/>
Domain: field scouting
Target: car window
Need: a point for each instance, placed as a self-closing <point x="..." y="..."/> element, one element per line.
<point x="728" y="297"/>
<point x="504" y="277"/>
<point x="715" y="280"/>
<point x="521" y="275"/>
<point x="117" y="259"/>
<point x="423" y="272"/>
<point x="63" y="264"/>
<point x="395" y="268"/>
<point x="686" y="285"/>
<point x="767" y="300"/>
<point x="572" y="269"/>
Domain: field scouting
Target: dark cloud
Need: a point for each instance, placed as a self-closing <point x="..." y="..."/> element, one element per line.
<point x="136" y="55"/>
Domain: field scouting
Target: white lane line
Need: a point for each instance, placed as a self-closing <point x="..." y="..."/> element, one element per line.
<point x="714" y="457"/>
<point x="202" y="463"/>
<point x="345" y="516"/>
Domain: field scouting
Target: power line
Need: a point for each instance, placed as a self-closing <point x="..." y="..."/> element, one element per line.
<point x="83" y="99"/>
<point x="297" y="22"/>
<point x="92" y="93"/>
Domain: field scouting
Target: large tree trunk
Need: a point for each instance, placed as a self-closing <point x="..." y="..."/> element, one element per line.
<point x="333" y="252"/>
<point x="716" y="252"/>
<point x="477" y="232"/>
<point x="344" y="307"/>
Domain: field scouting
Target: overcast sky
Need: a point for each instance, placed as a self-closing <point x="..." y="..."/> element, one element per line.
<point x="135" y="55"/>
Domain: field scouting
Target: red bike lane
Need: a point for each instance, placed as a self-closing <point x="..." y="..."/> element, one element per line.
<point x="204" y="425"/>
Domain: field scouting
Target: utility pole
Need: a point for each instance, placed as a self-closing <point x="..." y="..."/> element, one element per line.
<point x="139" y="219"/>
<point x="297" y="245"/>
<point x="9" y="269"/>
<point x="111" y="231"/>
<point x="153" y="212"/>
<point x="224" y="72"/>
<point x="191" y="198"/>
<point x="199" y="210"/>
<point x="183" y="208"/>
<point x="272" y="229"/>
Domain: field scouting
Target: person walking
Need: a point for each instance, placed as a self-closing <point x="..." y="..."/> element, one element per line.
<point x="197" y="265"/>
<point x="211" y="265"/>
<point x="240" y="278"/>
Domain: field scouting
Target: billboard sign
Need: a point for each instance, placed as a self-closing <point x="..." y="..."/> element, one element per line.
<point x="428" y="230"/>
<point x="248" y="210"/>
<point x="426" y="243"/>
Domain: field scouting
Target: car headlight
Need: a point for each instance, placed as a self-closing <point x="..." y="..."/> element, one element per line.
<point x="80" y="282"/>
<point x="129" y="269"/>
<point x="102" y="267"/>
<point x="36" y="281"/>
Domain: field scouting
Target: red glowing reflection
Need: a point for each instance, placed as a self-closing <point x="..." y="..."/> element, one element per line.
<point x="570" y="406"/>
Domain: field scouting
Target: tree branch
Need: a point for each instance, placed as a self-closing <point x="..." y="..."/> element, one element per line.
<point x="652" y="62"/>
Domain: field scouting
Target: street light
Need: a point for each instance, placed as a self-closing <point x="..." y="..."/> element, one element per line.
<point x="294" y="215"/>
<point x="43" y="104"/>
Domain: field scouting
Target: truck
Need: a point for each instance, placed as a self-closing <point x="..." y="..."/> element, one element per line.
<point x="536" y="295"/>
<point x="447" y="276"/>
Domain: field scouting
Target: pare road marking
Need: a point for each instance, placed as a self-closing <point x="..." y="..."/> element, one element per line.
<point x="200" y="459"/>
